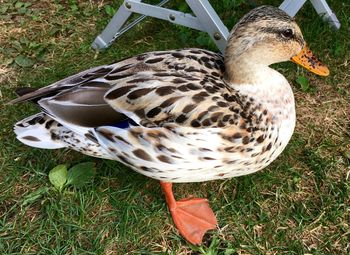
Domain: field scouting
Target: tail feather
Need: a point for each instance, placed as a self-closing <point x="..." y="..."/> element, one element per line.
<point x="24" y="90"/>
<point x="42" y="131"/>
<point x="35" y="131"/>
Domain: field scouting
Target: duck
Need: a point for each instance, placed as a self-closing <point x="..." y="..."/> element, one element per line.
<point x="180" y="116"/>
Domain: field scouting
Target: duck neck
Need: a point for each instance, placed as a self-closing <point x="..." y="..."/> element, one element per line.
<point x="243" y="71"/>
<point x="265" y="85"/>
<point x="249" y="73"/>
<point x="248" y="67"/>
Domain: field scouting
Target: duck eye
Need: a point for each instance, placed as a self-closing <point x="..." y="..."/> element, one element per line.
<point x="288" y="33"/>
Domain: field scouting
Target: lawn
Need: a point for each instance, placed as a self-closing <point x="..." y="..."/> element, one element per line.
<point x="298" y="205"/>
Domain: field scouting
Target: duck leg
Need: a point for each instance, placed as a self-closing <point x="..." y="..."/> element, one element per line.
<point x="192" y="216"/>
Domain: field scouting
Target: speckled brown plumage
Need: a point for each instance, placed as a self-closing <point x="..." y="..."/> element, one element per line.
<point x="179" y="115"/>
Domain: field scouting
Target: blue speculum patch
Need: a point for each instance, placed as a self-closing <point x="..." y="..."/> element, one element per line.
<point x="125" y="124"/>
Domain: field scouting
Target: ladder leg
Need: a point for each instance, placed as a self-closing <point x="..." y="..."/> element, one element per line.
<point x="210" y="21"/>
<point x="326" y="13"/>
<point x="110" y="32"/>
<point x="291" y="7"/>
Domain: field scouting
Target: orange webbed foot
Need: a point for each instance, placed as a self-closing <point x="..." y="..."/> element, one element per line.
<point x="193" y="217"/>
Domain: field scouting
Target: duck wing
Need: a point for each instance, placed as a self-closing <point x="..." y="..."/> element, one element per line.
<point x="175" y="88"/>
<point x="32" y="94"/>
<point x="153" y="89"/>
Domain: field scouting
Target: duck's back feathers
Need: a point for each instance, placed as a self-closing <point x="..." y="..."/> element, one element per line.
<point x="172" y="61"/>
<point x="65" y="84"/>
<point x="151" y="88"/>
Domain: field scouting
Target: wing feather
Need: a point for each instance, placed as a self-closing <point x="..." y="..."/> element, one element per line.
<point x="165" y="85"/>
<point x="153" y="89"/>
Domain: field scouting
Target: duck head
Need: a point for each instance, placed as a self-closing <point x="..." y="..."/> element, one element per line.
<point x="264" y="36"/>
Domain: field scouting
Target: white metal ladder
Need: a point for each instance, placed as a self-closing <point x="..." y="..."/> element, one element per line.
<point x="204" y="19"/>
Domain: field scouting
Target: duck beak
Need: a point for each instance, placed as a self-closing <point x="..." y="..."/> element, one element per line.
<point x="308" y="60"/>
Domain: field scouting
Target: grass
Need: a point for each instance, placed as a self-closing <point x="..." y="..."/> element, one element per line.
<point x="298" y="205"/>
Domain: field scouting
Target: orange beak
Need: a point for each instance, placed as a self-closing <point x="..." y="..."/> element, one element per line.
<point x="308" y="60"/>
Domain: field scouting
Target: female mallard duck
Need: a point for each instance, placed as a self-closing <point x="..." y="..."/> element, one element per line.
<point x="182" y="115"/>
